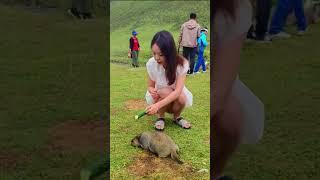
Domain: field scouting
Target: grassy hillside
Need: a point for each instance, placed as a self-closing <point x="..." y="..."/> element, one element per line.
<point x="149" y="17"/>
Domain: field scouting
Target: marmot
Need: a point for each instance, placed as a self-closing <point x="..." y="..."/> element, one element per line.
<point x="158" y="143"/>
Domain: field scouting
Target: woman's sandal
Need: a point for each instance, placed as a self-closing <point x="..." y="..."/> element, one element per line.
<point x="182" y="123"/>
<point x="159" y="125"/>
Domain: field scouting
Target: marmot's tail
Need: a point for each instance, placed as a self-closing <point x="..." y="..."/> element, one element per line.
<point x="176" y="157"/>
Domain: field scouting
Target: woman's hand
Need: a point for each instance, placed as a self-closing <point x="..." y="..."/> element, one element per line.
<point x="154" y="94"/>
<point x="153" y="109"/>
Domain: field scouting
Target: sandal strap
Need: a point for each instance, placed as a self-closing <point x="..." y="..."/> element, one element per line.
<point x="178" y="119"/>
<point x="160" y="119"/>
<point x="159" y="122"/>
<point x="182" y="122"/>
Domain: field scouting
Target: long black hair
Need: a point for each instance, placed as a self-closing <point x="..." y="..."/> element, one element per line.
<point x="167" y="46"/>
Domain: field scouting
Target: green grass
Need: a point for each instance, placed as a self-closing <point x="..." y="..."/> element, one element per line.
<point x="285" y="75"/>
<point x="53" y="69"/>
<point x="147" y="18"/>
<point x="128" y="84"/>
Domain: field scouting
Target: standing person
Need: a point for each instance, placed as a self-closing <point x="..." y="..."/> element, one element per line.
<point x="202" y="44"/>
<point x="167" y="72"/>
<point x="189" y="33"/>
<point x="259" y="33"/>
<point x="280" y="16"/>
<point x="232" y="20"/>
<point x="81" y="9"/>
<point x="134" y="48"/>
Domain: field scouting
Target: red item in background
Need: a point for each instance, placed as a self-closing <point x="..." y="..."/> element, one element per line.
<point x="135" y="44"/>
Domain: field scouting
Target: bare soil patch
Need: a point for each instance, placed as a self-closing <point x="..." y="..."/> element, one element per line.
<point x="149" y="165"/>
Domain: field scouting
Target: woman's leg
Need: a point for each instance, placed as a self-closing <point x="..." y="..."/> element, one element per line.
<point x="159" y="125"/>
<point x="227" y="131"/>
<point x="174" y="108"/>
<point x="178" y="105"/>
<point x="163" y="93"/>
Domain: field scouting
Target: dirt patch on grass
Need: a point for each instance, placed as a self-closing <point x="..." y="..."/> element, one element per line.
<point x="9" y="159"/>
<point x="149" y="165"/>
<point x="136" y="104"/>
<point x="80" y="136"/>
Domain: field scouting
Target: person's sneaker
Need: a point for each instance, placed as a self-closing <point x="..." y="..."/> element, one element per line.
<point x="248" y="40"/>
<point x="301" y="33"/>
<point x="87" y="16"/>
<point x="204" y="71"/>
<point x="280" y="35"/>
<point x="197" y="72"/>
<point x="265" y="39"/>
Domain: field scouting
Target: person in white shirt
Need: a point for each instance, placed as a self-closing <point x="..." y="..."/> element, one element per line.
<point x="167" y="72"/>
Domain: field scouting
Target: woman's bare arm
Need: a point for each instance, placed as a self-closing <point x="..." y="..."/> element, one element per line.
<point x="225" y="71"/>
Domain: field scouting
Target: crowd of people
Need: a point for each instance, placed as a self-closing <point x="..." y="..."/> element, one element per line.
<point x="267" y="29"/>
<point x="192" y="39"/>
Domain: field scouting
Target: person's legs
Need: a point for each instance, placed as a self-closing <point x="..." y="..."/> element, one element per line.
<point x="198" y="63"/>
<point x="279" y="17"/>
<point x="163" y="93"/>
<point x="263" y="14"/>
<point x="174" y="108"/>
<point x="178" y="105"/>
<point x="250" y="32"/>
<point x="299" y="13"/>
<point x="227" y="134"/>
<point x="134" y="58"/>
<point x="186" y="54"/>
<point x="74" y="10"/>
<point x="203" y="63"/>
<point x="87" y="9"/>
<point x="193" y="52"/>
<point x="137" y="59"/>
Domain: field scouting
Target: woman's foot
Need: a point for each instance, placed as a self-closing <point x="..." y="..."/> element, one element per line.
<point x="182" y="123"/>
<point x="159" y="125"/>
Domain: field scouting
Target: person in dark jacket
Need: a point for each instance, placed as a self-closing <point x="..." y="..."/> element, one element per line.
<point x="189" y="33"/>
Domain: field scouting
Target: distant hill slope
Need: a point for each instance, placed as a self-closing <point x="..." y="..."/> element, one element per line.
<point x="149" y="17"/>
